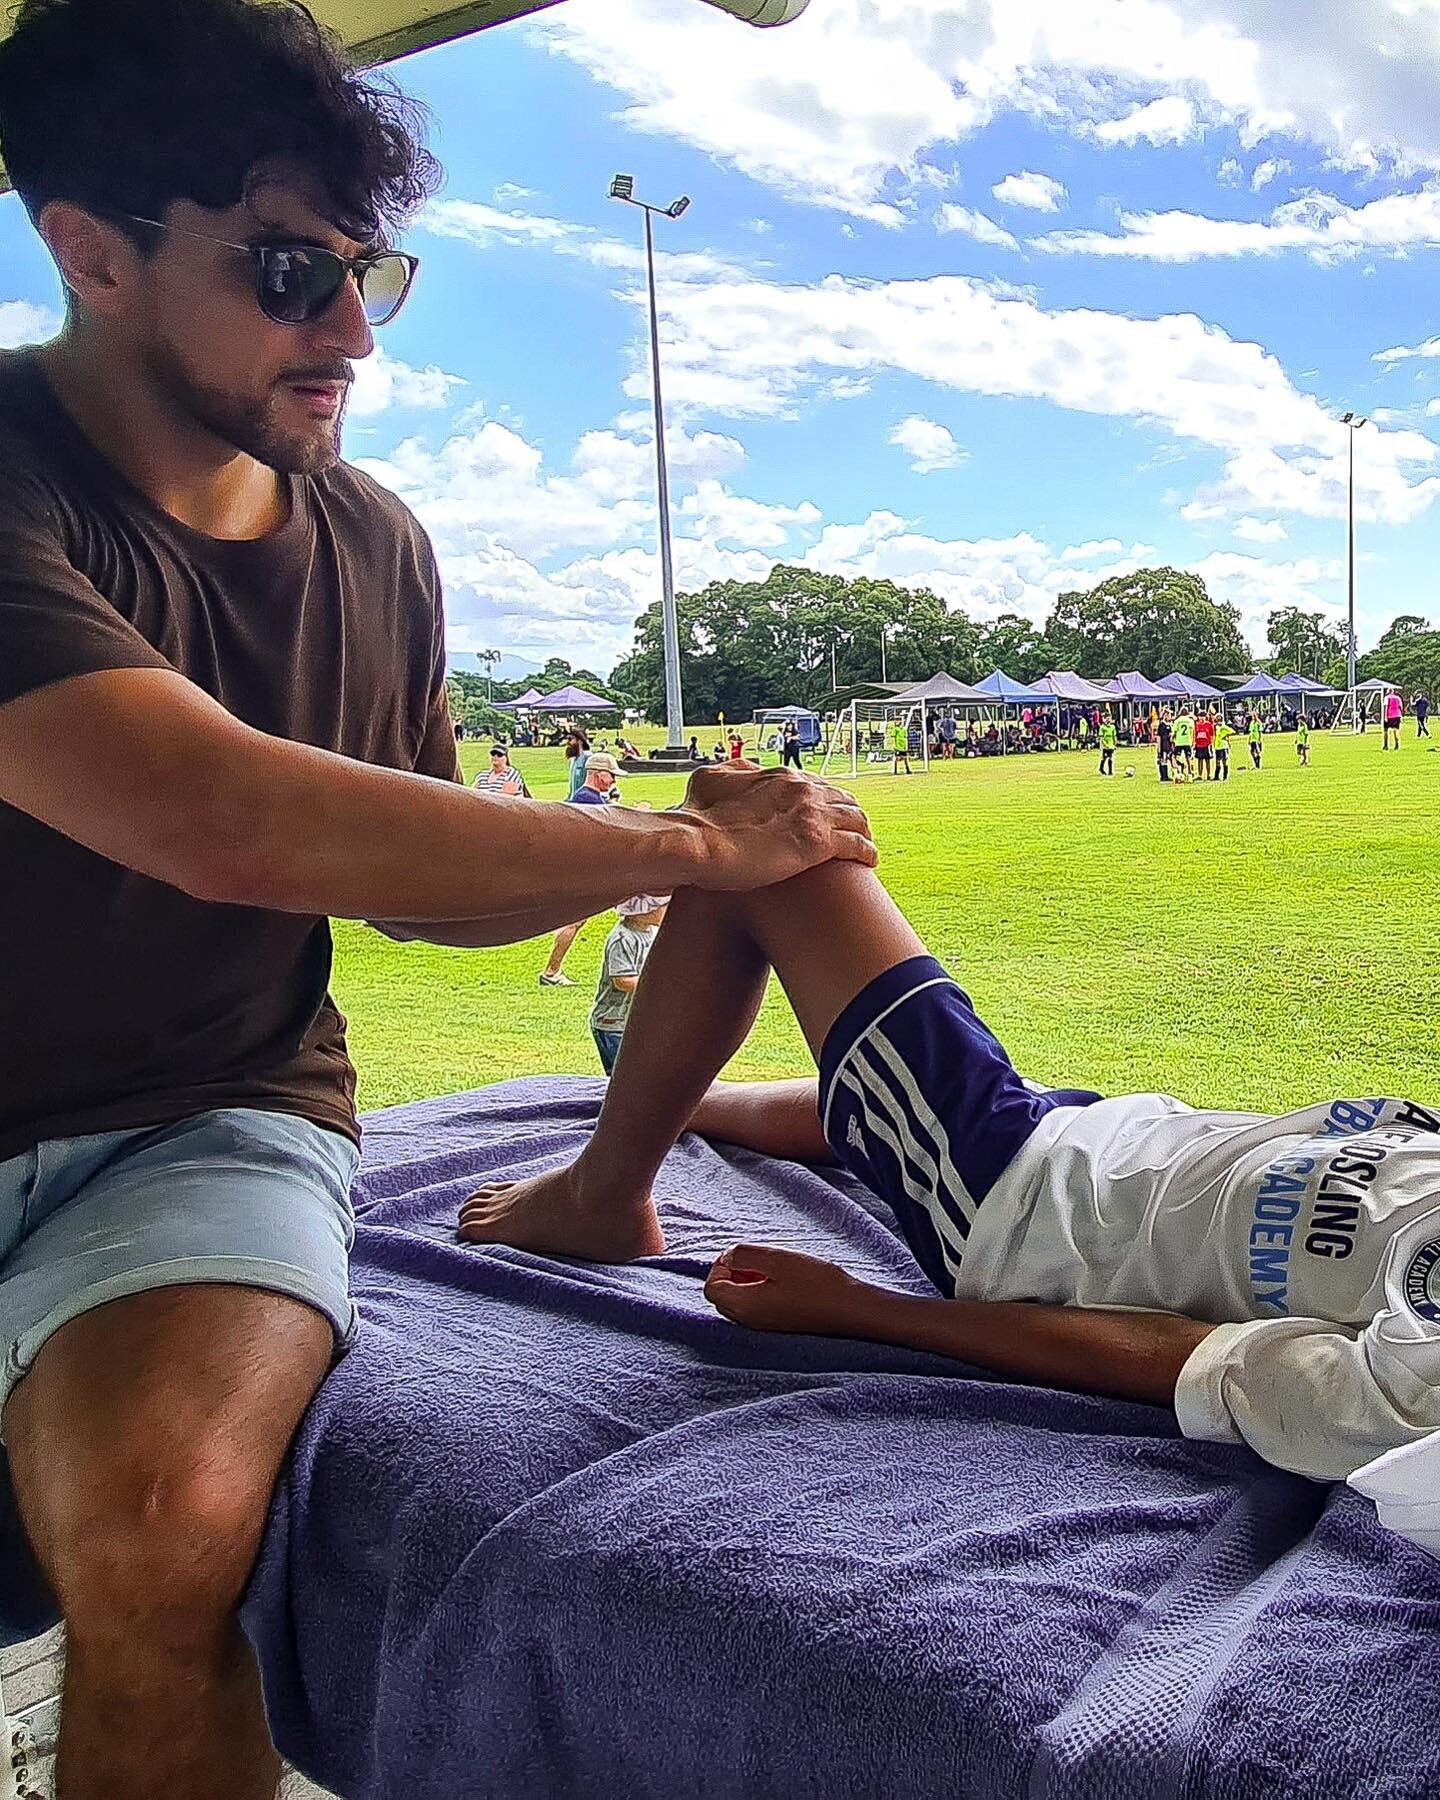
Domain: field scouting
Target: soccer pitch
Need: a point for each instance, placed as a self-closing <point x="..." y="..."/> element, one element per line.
<point x="1255" y="945"/>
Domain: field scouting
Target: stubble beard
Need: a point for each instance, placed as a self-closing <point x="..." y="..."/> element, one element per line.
<point x="252" y="427"/>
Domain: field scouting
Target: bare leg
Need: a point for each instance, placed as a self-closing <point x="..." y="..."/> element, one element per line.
<point x="777" y="1118"/>
<point x="560" y="949"/>
<point x="827" y="934"/>
<point x="145" y="1444"/>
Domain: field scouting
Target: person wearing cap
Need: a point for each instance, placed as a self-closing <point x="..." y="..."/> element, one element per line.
<point x="626" y="949"/>
<point x="502" y="777"/>
<point x="598" y="788"/>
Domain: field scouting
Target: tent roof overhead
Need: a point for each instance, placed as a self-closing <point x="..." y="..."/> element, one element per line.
<point x="380" y="30"/>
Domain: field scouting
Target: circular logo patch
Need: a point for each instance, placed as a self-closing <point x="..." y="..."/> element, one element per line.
<point x="1422" y="1282"/>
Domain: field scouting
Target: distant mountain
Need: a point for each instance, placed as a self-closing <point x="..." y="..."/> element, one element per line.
<point x="509" y="668"/>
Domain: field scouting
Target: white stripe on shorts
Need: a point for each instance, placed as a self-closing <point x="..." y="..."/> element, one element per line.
<point x="892" y="1131"/>
<point x="919" y="988"/>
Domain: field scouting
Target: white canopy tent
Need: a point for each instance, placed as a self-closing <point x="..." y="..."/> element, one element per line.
<point x="378" y="31"/>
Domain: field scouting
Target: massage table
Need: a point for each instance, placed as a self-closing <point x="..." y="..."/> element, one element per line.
<point x="554" y="1529"/>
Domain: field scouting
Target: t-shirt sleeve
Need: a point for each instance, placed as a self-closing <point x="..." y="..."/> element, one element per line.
<point x="439" y="754"/>
<point x="54" y="624"/>
<point x="624" y="955"/>
<point x="1318" y="1398"/>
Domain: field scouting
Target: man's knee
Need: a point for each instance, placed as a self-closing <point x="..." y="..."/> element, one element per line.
<point x="140" y="1545"/>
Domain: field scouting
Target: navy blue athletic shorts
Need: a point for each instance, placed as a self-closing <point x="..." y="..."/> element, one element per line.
<point x="920" y="1101"/>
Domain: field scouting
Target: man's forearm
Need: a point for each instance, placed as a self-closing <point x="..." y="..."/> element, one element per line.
<point x="434" y="851"/>
<point x="1126" y="1355"/>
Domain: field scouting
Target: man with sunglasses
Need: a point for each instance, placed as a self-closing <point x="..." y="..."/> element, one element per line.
<point x="222" y="720"/>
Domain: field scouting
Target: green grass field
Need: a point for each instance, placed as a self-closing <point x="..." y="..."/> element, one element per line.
<point x="1255" y="945"/>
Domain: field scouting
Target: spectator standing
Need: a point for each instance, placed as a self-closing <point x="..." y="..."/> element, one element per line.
<point x="598" y="789"/>
<point x="626" y="950"/>
<point x="502" y="777"/>
<point x="900" y="746"/>
<point x="1256" y="735"/>
<point x="790" y="745"/>
<point x="577" y="754"/>
<point x="949" y="732"/>
<point x="1224" y="732"/>
<point x="1422" y="714"/>
<point x="737" y="747"/>
<point x="1204" y="743"/>
<point x="1394" y="713"/>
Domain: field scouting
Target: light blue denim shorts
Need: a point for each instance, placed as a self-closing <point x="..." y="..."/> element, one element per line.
<point x="252" y="1198"/>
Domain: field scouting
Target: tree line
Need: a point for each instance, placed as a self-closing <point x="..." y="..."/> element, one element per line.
<point x="799" y="637"/>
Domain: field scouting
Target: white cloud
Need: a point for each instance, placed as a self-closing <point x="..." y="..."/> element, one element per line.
<point x="485" y="225"/>
<point x="1405" y="352"/>
<point x="929" y="446"/>
<point x="22" y="322"/>
<point x="1323" y="227"/>
<point x="1041" y="193"/>
<point x="718" y="516"/>
<point x="1260" y="531"/>
<point x="759" y="348"/>
<point x="382" y="381"/>
<point x="509" y="192"/>
<point x="974" y="224"/>
<point x="1257" y="587"/>
<point x="1230" y="172"/>
<point x="1270" y="170"/>
<point x="1078" y="553"/>
<point x="1166" y="121"/>
<point x="851" y="104"/>
<point x="560" y="559"/>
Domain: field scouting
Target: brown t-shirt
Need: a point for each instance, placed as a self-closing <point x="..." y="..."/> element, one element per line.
<point x="124" y="1002"/>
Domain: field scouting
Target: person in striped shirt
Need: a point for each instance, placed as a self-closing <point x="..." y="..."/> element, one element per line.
<point x="1275" y="1280"/>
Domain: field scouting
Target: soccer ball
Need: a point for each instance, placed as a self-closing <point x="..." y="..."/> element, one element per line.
<point x="1130" y="772"/>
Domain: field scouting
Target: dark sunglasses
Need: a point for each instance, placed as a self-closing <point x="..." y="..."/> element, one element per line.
<point x="296" y="283"/>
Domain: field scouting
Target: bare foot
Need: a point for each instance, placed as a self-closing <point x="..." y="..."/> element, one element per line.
<point x="552" y="1214"/>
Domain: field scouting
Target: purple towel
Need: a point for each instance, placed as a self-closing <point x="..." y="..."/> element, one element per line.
<point x="557" y="1530"/>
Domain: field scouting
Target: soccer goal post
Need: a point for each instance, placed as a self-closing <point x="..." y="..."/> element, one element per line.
<point x="864" y="738"/>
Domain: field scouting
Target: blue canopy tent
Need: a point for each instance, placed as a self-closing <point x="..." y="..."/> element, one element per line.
<point x="1005" y="687"/>
<point x="1135" y="686"/>
<point x="1136" y="690"/>
<point x="1260" y="686"/>
<point x="1303" y="690"/>
<point x="1189" y="685"/>
<point x="571" y="699"/>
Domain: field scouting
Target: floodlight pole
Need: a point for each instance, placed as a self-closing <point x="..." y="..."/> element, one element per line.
<point x="1352" y="425"/>
<point x="623" y="188"/>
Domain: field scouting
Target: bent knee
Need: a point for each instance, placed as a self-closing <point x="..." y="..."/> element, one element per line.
<point x="164" y="1544"/>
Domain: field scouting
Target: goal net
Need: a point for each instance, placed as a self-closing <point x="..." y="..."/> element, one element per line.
<point x="1362" y="709"/>
<point x="862" y="740"/>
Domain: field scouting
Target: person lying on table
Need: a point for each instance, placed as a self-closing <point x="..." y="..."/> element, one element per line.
<point x="1275" y="1280"/>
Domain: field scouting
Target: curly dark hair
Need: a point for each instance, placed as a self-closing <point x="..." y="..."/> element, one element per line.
<point x="123" y="106"/>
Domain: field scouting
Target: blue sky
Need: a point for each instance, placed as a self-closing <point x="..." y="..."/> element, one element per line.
<point x="996" y="307"/>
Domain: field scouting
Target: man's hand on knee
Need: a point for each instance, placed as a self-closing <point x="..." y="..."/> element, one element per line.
<point x="771" y="825"/>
